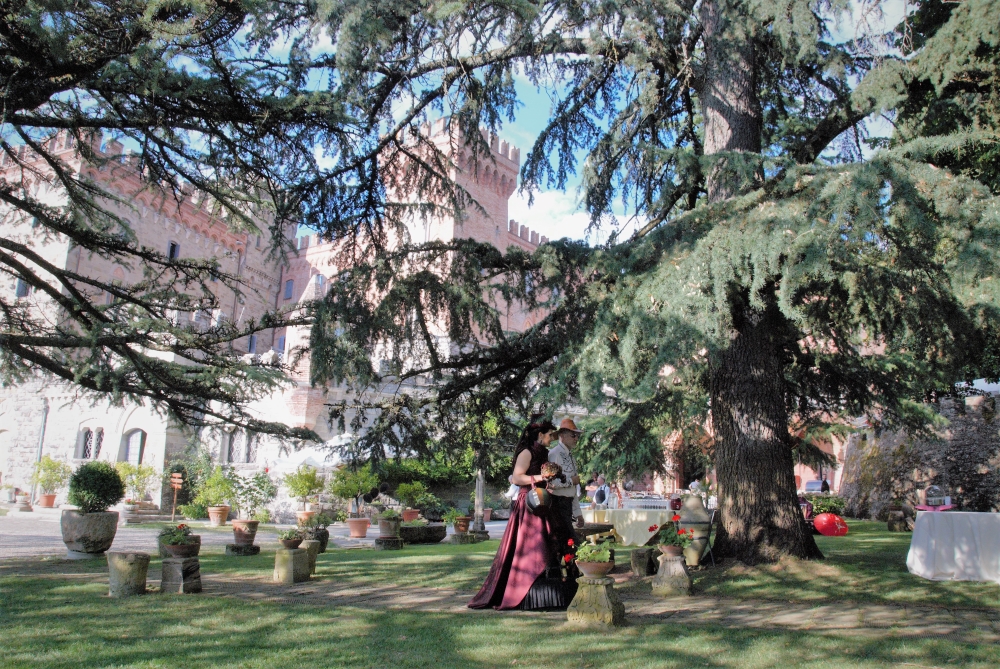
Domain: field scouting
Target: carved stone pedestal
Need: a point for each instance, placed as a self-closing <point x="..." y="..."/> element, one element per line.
<point x="242" y="550"/>
<point x="672" y="579"/>
<point x="127" y="573"/>
<point x="596" y="602"/>
<point x="312" y="549"/>
<point x="463" y="538"/>
<point x="388" y="543"/>
<point x="898" y="520"/>
<point x="642" y="562"/>
<point x="480" y="535"/>
<point x="181" y="576"/>
<point x="291" y="565"/>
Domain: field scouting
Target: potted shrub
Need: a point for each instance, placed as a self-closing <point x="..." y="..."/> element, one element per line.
<point x="593" y="561"/>
<point x="458" y="520"/>
<point x="488" y="505"/>
<point x="50" y="475"/>
<point x="178" y="541"/>
<point x="250" y="494"/>
<point x="316" y="528"/>
<point x="305" y="482"/>
<point x="138" y="480"/>
<point x="388" y="523"/>
<point x="672" y="541"/>
<point x="214" y="493"/>
<point x="410" y="495"/>
<point x="90" y="530"/>
<point x="290" y="538"/>
<point x="354" y="484"/>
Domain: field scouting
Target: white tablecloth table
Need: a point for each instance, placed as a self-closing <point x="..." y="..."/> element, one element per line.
<point x="633" y="526"/>
<point x="955" y="546"/>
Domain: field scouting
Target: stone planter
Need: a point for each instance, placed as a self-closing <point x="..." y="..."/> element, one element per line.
<point x="424" y="534"/>
<point x="47" y="501"/>
<point x="461" y="524"/>
<point x="217" y="515"/>
<point x="21" y="499"/>
<point x="88" y="535"/>
<point x="322" y="535"/>
<point x="303" y="517"/>
<point x="389" y="528"/>
<point x="595" y="569"/>
<point x="184" y="550"/>
<point x="672" y="551"/>
<point x="129" y="508"/>
<point x="127" y="573"/>
<point x="291" y="543"/>
<point x="245" y="531"/>
<point x="359" y="527"/>
<point x="410" y="514"/>
<point x="163" y="547"/>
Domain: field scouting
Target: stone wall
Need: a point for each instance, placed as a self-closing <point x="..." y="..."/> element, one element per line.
<point x="963" y="458"/>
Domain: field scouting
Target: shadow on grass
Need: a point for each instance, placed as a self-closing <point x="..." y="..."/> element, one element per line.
<point x="868" y="565"/>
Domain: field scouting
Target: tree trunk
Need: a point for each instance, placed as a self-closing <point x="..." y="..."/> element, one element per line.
<point x="760" y="516"/>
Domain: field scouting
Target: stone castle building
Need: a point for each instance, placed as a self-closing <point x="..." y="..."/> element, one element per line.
<point x="46" y="417"/>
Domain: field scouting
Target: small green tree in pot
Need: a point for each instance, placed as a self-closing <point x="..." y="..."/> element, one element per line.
<point x="138" y="480"/>
<point x="50" y="475"/>
<point x="458" y="520"/>
<point x="305" y="482"/>
<point x="216" y="492"/>
<point x="410" y="495"/>
<point x="250" y="495"/>
<point x="354" y="484"/>
<point x="90" y="531"/>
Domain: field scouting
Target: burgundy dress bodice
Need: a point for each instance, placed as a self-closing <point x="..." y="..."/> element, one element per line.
<point x="539" y="456"/>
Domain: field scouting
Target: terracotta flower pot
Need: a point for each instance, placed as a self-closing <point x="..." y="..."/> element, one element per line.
<point x="359" y="527"/>
<point x="487" y="514"/>
<point x="217" y="515"/>
<point x="303" y="516"/>
<point x="462" y="524"/>
<point x="88" y="533"/>
<point x="389" y="528"/>
<point x="291" y="543"/>
<point x="595" y="569"/>
<point x="410" y="514"/>
<point x="245" y="531"/>
<point x="672" y="551"/>
<point x="47" y="501"/>
<point x="184" y="550"/>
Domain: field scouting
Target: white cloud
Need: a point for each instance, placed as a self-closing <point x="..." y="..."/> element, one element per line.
<point x="557" y="214"/>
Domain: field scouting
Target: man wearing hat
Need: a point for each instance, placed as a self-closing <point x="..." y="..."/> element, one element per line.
<point x="565" y="499"/>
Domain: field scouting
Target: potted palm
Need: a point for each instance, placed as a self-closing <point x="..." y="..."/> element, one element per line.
<point x="593" y="561"/>
<point x="178" y="541"/>
<point x="354" y="484"/>
<point x="457" y="520"/>
<point x="90" y="530"/>
<point x="250" y="495"/>
<point x="409" y="495"/>
<point x="50" y="475"/>
<point x="305" y="482"/>
<point x="214" y="493"/>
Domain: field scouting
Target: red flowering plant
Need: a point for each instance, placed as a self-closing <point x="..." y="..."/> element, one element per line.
<point x="176" y="536"/>
<point x="672" y="535"/>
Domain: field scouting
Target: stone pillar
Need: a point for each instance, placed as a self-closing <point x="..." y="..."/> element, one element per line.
<point x="180" y="576"/>
<point x="388" y="543"/>
<point x="291" y="565"/>
<point x="642" y="562"/>
<point x="312" y="550"/>
<point x="464" y="538"/>
<point x="596" y="602"/>
<point x="672" y="579"/>
<point x="127" y="573"/>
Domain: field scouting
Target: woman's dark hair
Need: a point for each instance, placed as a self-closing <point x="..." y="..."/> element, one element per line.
<point x="529" y="436"/>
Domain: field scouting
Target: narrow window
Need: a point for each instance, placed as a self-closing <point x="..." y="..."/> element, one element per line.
<point x="23" y="289"/>
<point x="133" y="445"/>
<point x="289" y="287"/>
<point x="251" y="448"/>
<point x="87" y="445"/>
<point x="258" y="241"/>
<point x="173" y="251"/>
<point x="98" y="442"/>
<point x="280" y="348"/>
<point x="235" y="452"/>
<point x="252" y="346"/>
<point x="320" y="280"/>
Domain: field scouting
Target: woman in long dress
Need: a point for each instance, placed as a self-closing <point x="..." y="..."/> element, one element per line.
<point x="527" y="572"/>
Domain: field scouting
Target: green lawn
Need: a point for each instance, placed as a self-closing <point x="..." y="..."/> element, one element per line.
<point x="53" y="615"/>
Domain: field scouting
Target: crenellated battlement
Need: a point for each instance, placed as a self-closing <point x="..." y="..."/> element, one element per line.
<point x="524" y="233"/>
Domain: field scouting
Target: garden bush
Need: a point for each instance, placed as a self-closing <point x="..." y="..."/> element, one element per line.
<point x="193" y="511"/>
<point x="827" y="504"/>
<point x="95" y="486"/>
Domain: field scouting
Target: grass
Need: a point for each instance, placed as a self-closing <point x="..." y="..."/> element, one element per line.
<point x="55" y="614"/>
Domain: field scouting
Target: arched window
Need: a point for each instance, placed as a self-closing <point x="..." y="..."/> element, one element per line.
<point x="98" y="442"/>
<point x="289" y="287"/>
<point x="85" y="448"/>
<point x="173" y="251"/>
<point x="133" y="445"/>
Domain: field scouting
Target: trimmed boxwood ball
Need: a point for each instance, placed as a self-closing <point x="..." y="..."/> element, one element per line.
<point x="95" y="486"/>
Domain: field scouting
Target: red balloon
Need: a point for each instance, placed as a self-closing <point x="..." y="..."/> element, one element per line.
<point x="830" y="525"/>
